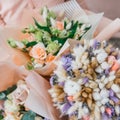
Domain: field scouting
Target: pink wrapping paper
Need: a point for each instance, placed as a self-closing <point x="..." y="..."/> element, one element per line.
<point x="109" y="30"/>
<point x="10" y="74"/>
<point x="39" y="99"/>
<point x="12" y="12"/>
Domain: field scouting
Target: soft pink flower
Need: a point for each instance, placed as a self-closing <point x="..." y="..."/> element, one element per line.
<point x="38" y="51"/>
<point x="21" y="93"/>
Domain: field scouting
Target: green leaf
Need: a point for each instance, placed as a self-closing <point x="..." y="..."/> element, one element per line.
<point x="29" y="66"/>
<point x="30" y="44"/>
<point x="73" y="31"/>
<point x="12" y="43"/>
<point x="1" y="115"/>
<point x="3" y="94"/>
<point x="45" y="28"/>
<point x="71" y="35"/>
<point x="29" y="116"/>
<point x="10" y="89"/>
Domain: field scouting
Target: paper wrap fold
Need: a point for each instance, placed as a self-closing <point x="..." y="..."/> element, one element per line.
<point x="39" y="99"/>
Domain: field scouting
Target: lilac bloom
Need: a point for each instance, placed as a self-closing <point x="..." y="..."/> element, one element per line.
<point x="96" y="44"/>
<point x="85" y="80"/>
<point x="61" y="83"/>
<point x="104" y="117"/>
<point x="66" y="107"/>
<point x="111" y="93"/>
<point x="115" y="99"/>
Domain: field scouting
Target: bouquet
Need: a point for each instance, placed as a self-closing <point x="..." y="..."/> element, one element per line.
<point x="85" y="84"/>
<point x="13" y="100"/>
<point x="46" y="39"/>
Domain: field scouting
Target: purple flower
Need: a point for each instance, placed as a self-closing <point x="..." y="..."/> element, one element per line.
<point x="67" y="61"/>
<point x="66" y="107"/>
<point x="62" y="84"/>
<point x="111" y="93"/>
<point x="53" y="80"/>
<point x="96" y="44"/>
<point x="104" y="117"/>
<point x="75" y="113"/>
<point x="85" y="80"/>
<point x="107" y="71"/>
<point x="115" y="99"/>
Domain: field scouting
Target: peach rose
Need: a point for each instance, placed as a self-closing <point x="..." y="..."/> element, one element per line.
<point x="50" y="58"/>
<point x="59" y="25"/>
<point x="38" y="51"/>
<point x="21" y="93"/>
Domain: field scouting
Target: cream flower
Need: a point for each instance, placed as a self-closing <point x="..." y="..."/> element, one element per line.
<point x="71" y="87"/>
<point x="38" y="51"/>
<point x="21" y="93"/>
<point x="10" y="117"/>
<point x="11" y="107"/>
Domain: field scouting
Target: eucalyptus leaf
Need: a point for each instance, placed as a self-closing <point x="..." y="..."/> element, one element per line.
<point x="3" y="94"/>
<point x="29" y="116"/>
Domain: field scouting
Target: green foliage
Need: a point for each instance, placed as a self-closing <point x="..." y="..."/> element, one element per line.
<point x="3" y="94"/>
<point x="30" y="44"/>
<point x="29" y="116"/>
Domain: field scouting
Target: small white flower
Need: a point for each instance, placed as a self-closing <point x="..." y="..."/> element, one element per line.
<point x="105" y="65"/>
<point x="104" y="93"/>
<point x="106" y="80"/>
<point x="71" y="87"/>
<point x="85" y="110"/>
<point x="111" y="77"/>
<point x="98" y="51"/>
<point x="104" y="101"/>
<point x="53" y="22"/>
<point x="117" y="109"/>
<point x="38" y="65"/>
<point x="45" y="13"/>
<point x="102" y="108"/>
<point x="11" y="107"/>
<point x="101" y="57"/>
<point x="10" y="117"/>
<point x="97" y="96"/>
<point x="99" y="103"/>
<point x="99" y="69"/>
<point x="19" y="44"/>
<point x="101" y="85"/>
<point x="115" y="88"/>
<point x="68" y="26"/>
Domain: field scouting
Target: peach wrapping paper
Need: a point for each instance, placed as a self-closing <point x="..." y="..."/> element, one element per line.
<point x="39" y="99"/>
<point x="10" y="74"/>
<point x="109" y="30"/>
<point x="12" y="11"/>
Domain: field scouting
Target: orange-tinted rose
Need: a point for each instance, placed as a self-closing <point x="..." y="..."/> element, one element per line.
<point x="50" y="58"/>
<point x="59" y="25"/>
<point x="38" y="51"/>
